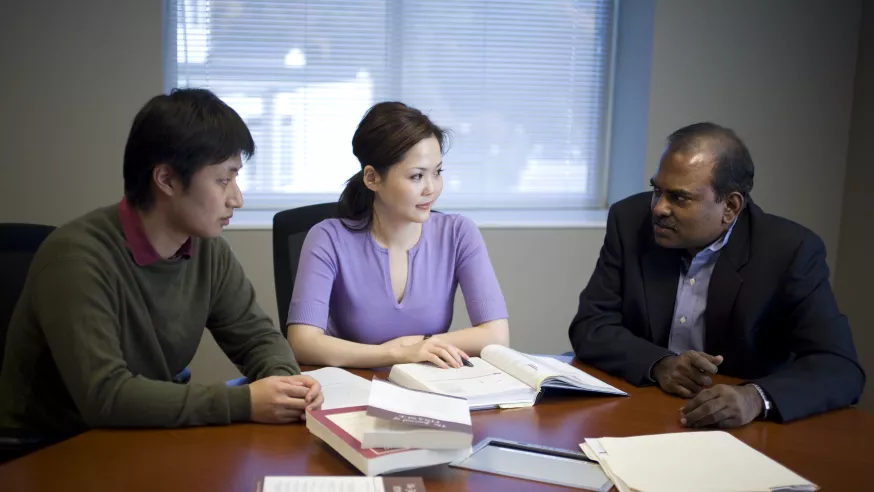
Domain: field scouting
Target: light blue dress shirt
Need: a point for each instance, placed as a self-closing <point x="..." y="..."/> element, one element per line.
<point x="688" y="325"/>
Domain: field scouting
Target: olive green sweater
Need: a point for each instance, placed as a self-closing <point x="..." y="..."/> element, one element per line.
<point x="95" y="340"/>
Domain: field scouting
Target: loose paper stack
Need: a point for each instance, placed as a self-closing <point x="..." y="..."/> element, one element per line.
<point x="690" y="461"/>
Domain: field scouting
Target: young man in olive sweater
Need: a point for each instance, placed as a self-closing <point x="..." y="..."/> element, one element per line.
<point x="116" y="301"/>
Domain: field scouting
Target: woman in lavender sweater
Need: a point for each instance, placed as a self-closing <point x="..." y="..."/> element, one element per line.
<point x="376" y="287"/>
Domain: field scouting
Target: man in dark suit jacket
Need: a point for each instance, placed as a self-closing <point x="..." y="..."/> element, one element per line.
<point x="693" y="277"/>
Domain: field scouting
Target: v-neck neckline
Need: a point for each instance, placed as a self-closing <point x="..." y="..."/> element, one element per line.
<point x="386" y="266"/>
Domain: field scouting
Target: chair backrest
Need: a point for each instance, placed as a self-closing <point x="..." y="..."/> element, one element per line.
<point x="18" y="244"/>
<point x="290" y="228"/>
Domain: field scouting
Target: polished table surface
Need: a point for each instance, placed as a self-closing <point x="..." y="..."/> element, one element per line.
<point x="833" y="450"/>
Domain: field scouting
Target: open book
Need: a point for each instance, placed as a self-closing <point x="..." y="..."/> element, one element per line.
<point x="500" y="377"/>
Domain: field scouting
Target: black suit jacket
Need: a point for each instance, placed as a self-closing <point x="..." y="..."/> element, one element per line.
<point x="770" y="310"/>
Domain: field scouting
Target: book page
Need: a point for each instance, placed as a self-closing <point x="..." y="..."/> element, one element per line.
<point x="575" y="377"/>
<point x="518" y="365"/>
<point x="465" y="382"/>
<point x="323" y="484"/>
<point x="341" y="388"/>
<point x="354" y="423"/>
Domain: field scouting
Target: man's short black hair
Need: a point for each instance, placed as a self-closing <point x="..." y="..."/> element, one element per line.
<point x="733" y="169"/>
<point x="187" y="129"/>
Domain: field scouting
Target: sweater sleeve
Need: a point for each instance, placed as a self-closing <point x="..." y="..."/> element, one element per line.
<point x="76" y="304"/>
<point x="473" y="268"/>
<point x="240" y="327"/>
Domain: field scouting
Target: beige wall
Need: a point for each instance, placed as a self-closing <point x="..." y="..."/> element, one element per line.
<point x="74" y="75"/>
<point x="782" y="75"/>
<point x="855" y="260"/>
<point x="780" y="72"/>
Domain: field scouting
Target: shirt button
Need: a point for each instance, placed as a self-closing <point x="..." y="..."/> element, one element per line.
<point x="683" y="319"/>
<point x="692" y="281"/>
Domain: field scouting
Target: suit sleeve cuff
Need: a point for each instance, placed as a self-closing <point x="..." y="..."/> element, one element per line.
<point x="649" y="379"/>
<point x="645" y="355"/>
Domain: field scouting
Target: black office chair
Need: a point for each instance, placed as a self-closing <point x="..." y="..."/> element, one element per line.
<point x="18" y="244"/>
<point x="290" y="228"/>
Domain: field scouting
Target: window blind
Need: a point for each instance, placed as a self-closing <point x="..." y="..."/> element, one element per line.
<point x="523" y="85"/>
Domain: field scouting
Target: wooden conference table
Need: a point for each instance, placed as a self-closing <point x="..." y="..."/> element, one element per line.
<point x="833" y="450"/>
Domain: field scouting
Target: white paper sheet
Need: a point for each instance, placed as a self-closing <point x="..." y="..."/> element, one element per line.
<point x="341" y="388"/>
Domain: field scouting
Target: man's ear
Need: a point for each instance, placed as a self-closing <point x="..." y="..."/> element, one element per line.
<point x="165" y="180"/>
<point x="734" y="204"/>
<point x="372" y="179"/>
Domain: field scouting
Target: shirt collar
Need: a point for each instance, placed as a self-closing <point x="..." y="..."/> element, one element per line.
<point x="137" y="242"/>
<point x="717" y="245"/>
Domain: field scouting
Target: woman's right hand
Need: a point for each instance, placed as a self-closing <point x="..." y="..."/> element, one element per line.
<point x="441" y="354"/>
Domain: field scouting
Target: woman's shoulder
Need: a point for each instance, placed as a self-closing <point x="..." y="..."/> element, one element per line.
<point x="456" y="228"/>
<point x="451" y="223"/>
<point x="341" y="228"/>
<point x="335" y="231"/>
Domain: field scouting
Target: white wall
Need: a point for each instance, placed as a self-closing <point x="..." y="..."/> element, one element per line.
<point x="780" y="72"/>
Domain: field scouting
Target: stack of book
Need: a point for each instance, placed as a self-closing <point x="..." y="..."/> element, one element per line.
<point x="399" y="429"/>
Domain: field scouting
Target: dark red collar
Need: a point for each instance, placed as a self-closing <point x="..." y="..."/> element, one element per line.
<point x="141" y="249"/>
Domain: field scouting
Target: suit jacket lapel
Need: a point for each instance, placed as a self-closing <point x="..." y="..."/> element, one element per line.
<point x="661" y="272"/>
<point x="725" y="283"/>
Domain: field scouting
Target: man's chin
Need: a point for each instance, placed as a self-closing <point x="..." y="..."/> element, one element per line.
<point x="207" y="232"/>
<point x="666" y="240"/>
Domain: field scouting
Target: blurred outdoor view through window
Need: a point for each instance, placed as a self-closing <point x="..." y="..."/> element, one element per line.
<point x="523" y="86"/>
